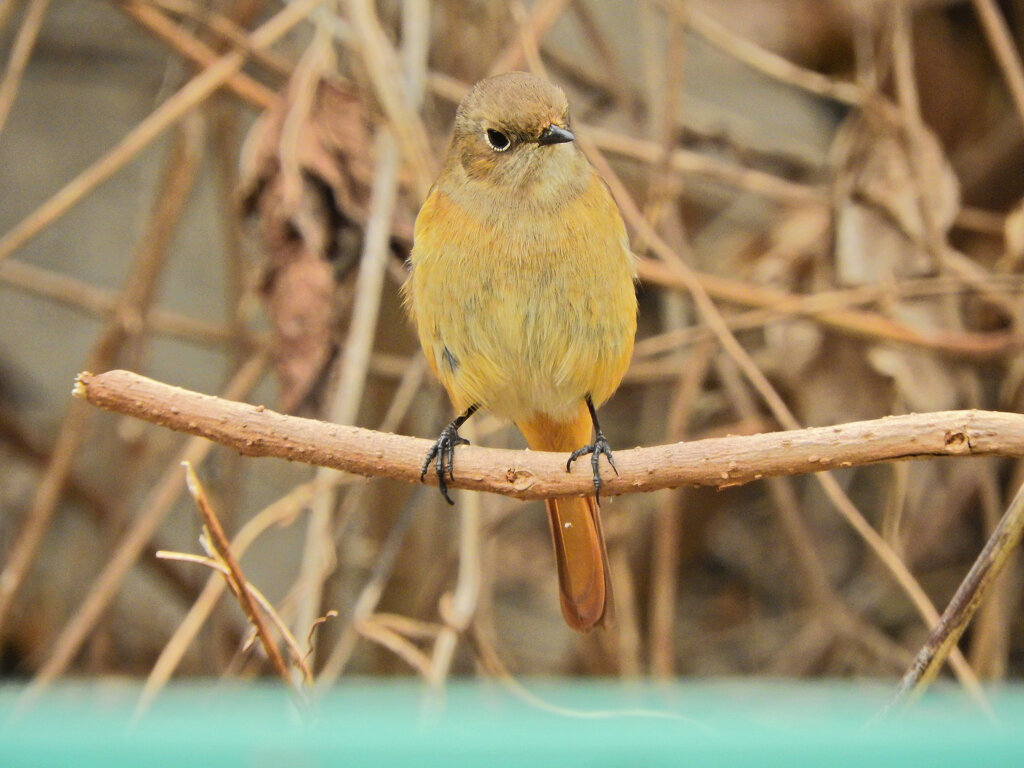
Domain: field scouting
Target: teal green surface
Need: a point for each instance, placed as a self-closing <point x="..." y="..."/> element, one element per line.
<point x="734" y="723"/>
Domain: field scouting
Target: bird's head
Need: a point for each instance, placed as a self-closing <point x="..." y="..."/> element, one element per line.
<point x="512" y="137"/>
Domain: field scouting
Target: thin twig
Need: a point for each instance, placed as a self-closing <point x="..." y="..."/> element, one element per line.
<point x="317" y="61"/>
<point x="264" y="603"/>
<point x="236" y="578"/>
<point x="859" y="323"/>
<point x="527" y="40"/>
<point x="813" y="576"/>
<point x="491" y="662"/>
<point x="660" y="203"/>
<point x="990" y="641"/>
<point x="972" y="591"/>
<point x="6" y="10"/>
<point x="355" y="358"/>
<point x="934" y="241"/>
<point x="660" y="207"/>
<point x="686" y="161"/>
<point x="25" y="445"/>
<point x="396" y="643"/>
<point x="282" y="511"/>
<point x="408" y="387"/>
<point x="866" y="325"/>
<point x="935" y="232"/>
<point x="368" y="598"/>
<point x="598" y="40"/>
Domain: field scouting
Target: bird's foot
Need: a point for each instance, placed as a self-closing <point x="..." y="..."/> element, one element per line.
<point x="442" y="453"/>
<point x="596" y="449"/>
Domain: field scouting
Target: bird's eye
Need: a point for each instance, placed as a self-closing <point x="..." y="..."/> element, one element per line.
<point x="499" y="141"/>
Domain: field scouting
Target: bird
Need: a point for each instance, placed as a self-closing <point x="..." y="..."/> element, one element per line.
<point x="522" y="291"/>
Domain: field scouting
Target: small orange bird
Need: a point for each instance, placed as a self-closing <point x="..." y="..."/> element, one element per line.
<point x="522" y="291"/>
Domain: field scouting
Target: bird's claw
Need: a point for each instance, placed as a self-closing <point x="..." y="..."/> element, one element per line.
<point x="596" y="449"/>
<point x="442" y="453"/>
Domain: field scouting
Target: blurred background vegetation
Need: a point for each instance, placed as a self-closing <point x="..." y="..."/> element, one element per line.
<point x="183" y="200"/>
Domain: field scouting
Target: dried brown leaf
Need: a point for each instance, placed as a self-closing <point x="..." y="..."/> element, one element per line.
<point x="799" y="237"/>
<point x="892" y="189"/>
<point x="307" y="171"/>
<point x="330" y="144"/>
<point x="924" y="383"/>
<point x="300" y="301"/>
<point x="885" y="194"/>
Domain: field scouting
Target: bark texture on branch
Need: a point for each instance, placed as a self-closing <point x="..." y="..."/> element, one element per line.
<point x="255" y="430"/>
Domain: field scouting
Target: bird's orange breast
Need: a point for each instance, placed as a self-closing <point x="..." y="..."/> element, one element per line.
<point x="524" y="309"/>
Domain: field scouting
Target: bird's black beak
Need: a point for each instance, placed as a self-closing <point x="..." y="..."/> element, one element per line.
<point x="555" y="134"/>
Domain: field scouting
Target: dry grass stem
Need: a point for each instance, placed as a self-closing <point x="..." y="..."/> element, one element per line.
<point x="1000" y="39"/>
<point x="369" y="597"/>
<point x="6" y="9"/>
<point x="21" y="50"/>
<point x="864" y="324"/>
<point x="283" y="511"/>
<point x="458" y="608"/>
<point x="151" y="19"/>
<point x="222" y="554"/>
<point x="392" y="89"/>
<point x="671" y="507"/>
<point x="167" y="114"/>
<point x="769" y="63"/>
<point x="229" y="32"/>
<point x="398" y="645"/>
<point x="84" y="297"/>
<point x="542" y="17"/>
<point x="989" y="651"/>
<point x="298" y="656"/>
<point x="867" y="325"/>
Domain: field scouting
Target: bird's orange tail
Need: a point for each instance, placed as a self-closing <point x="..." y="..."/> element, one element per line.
<point x="584" y="586"/>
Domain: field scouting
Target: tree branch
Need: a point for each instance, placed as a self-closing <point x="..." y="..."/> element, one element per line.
<point x="254" y="430"/>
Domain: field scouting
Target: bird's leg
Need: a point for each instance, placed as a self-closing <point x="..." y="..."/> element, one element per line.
<point x="443" y="451"/>
<point x="595" y="449"/>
